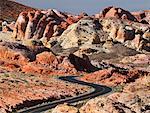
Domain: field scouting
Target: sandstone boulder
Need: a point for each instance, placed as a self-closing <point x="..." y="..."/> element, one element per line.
<point x="131" y="34"/>
<point x="116" y="12"/>
<point x="87" y="31"/>
<point x="118" y="30"/>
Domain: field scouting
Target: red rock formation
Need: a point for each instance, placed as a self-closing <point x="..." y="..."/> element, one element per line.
<point x="117" y="13"/>
<point x="34" y="18"/>
<point x="70" y="20"/>
<point x="113" y="77"/>
<point x="40" y="27"/>
<point x="48" y="63"/>
<point x="46" y="58"/>
<point x="49" y="31"/>
<point x="142" y="16"/>
<point x="20" y="26"/>
<point x="38" y="24"/>
<point x="39" y="60"/>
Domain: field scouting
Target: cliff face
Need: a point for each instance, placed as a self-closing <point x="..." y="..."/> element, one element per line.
<point x="9" y="9"/>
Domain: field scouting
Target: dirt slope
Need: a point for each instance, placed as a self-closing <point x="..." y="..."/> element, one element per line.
<point x="9" y="9"/>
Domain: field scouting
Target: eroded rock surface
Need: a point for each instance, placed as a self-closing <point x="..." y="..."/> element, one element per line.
<point x="64" y="108"/>
<point x="19" y="90"/>
<point x="116" y="12"/>
<point x="132" y="99"/>
<point x="42" y="24"/>
<point x="33" y="59"/>
<point x="86" y="32"/>
<point x="113" y="77"/>
<point x="110" y="48"/>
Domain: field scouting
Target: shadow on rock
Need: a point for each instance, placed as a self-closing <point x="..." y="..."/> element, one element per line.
<point x="82" y="64"/>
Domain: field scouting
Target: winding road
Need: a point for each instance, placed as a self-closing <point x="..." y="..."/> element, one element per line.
<point x="98" y="90"/>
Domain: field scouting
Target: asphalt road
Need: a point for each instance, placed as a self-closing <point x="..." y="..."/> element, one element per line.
<point x="98" y="90"/>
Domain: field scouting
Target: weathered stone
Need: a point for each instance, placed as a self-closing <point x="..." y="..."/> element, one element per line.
<point x="118" y="13"/>
<point x="86" y="31"/>
<point x="20" y="26"/>
<point x="132" y="99"/>
<point x="34" y="18"/>
<point x="64" y="108"/>
<point x="46" y="58"/>
<point x="124" y="34"/>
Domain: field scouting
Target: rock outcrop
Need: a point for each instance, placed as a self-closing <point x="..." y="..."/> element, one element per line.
<point x="113" y="77"/>
<point x="84" y="31"/>
<point x="42" y="24"/>
<point x="132" y="99"/>
<point x="119" y="13"/>
<point x="87" y="31"/>
<point x="142" y="16"/>
<point x="33" y="59"/>
<point x="130" y="34"/>
<point x="50" y="64"/>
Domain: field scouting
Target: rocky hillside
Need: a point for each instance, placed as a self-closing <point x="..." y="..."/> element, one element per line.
<point x="111" y="48"/>
<point x="9" y="9"/>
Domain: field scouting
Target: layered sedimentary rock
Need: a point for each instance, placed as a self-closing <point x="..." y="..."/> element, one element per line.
<point x="114" y="23"/>
<point x="42" y="24"/>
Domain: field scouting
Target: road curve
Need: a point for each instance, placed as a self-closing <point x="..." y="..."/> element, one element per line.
<point x="98" y="90"/>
